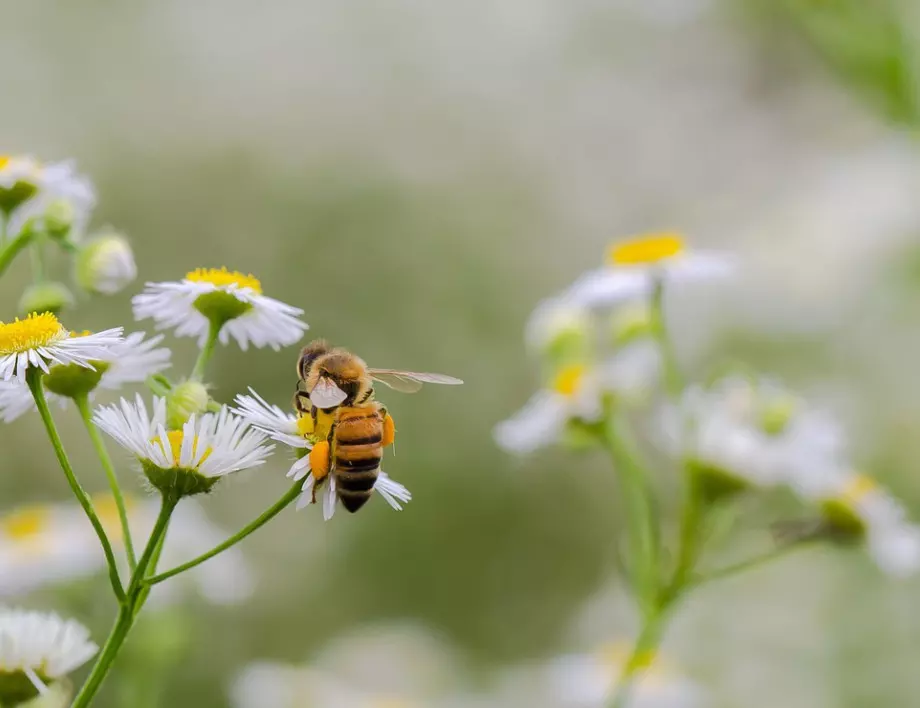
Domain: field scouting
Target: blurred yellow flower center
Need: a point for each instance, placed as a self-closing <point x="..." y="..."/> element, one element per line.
<point x="646" y="249"/>
<point x="25" y="523"/>
<point x="858" y="488"/>
<point x="4" y="161"/>
<point x="617" y="654"/>
<point x="569" y="379"/>
<point x="176" y="438"/>
<point x="223" y="278"/>
<point x="34" y="331"/>
<point x="305" y="425"/>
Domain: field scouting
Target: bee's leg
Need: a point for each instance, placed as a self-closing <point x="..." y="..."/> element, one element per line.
<point x="320" y="462"/>
<point x="389" y="428"/>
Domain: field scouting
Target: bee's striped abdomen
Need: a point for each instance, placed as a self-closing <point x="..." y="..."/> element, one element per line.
<point x="358" y="451"/>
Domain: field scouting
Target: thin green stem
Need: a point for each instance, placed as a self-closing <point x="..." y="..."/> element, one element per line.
<point x="643" y="529"/>
<point x="86" y="413"/>
<point x="640" y="656"/>
<point x="9" y="251"/>
<point x="258" y="523"/>
<point x="753" y="562"/>
<point x="129" y="608"/>
<point x="204" y="356"/>
<point x="673" y="378"/>
<point x="34" y="380"/>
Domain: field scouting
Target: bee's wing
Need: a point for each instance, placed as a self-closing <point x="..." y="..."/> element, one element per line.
<point x="409" y="381"/>
<point x="326" y="394"/>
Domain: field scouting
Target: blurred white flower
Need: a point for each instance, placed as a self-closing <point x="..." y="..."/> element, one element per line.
<point x="295" y="431"/>
<point x="634" y="266"/>
<point x="555" y="323"/>
<point x="40" y="340"/>
<point x="105" y="264"/>
<point x="856" y="505"/>
<point x="131" y="360"/>
<point x="188" y="461"/>
<point x="231" y="298"/>
<point x="38" y="648"/>
<point x="395" y="666"/>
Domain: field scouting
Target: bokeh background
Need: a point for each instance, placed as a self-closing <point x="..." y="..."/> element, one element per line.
<point x="417" y="175"/>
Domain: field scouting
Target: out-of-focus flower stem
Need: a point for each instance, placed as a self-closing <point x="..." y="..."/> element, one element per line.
<point x="204" y="356"/>
<point x="754" y="562"/>
<point x="34" y="381"/>
<point x="258" y="523"/>
<point x="82" y="403"/>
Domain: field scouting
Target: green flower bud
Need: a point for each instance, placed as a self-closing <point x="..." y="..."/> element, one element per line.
<point x="776" y="413"/>
<point x="46" y="297"/>
<point x="185" y="400"/>
<point x="105" y="265"/>
<point x="73" y="380"/>
<point x="714" y="484"/>
<point x="59" y="218"/>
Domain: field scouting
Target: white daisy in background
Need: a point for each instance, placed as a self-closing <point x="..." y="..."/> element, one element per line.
<point x="37" y="649"/>
<point x="591" y="680"/>
<point x="388" y="666"/>
<point x="857" y="507"/>
<point x="188" y="461"/>
<point x="227" y="297"/>
<point x="634" y="266"/>
<point x="131" y="360"/>
<point x="741" y="432"/>
<point x="41" y="341"/>
<point x="20" y="180"/>
<point x="105" y="264"/>
<point x="295" y="432"/>
<point x="558" y="324"/>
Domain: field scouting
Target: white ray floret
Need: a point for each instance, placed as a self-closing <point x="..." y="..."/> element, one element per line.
<point x="248" y="316"/>
<point x="44" y="647"/>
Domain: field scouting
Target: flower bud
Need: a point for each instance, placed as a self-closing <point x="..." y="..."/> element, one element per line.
<point x="46" y="297"/>
<point x="185" y="400"/>
<point x="631" y="322"/>
<point x="561" y="333"/>
<point x="73" y="380"/>
<point x="59" y="218"/>
<point x="105" y="265"/>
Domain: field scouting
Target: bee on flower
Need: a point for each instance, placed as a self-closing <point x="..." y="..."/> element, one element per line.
<point x="230" y="303"/>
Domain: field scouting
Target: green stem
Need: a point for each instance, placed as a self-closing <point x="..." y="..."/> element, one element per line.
<point x="673" y="379"/>
<point x="82" y="402"/>
<point x="267" y="516"/>
<point x="643" y="531"/>
<point x="34" y="380"/>
<point x="10" y="250"/>
<point x="639" y="658"/>
<point x="753" y="562"/>
<point x="204" y="356"/>
<point x="129" y="608"/>
<point x="690" y="541"/>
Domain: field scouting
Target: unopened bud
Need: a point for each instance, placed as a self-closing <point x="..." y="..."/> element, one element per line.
<point x="46" y="297"/>
<point x="105" y="265"/>
<point x="185" y="400"/>
<point x="59" y="218"/>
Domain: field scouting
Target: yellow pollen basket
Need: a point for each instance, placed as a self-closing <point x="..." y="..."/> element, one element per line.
<point x="646" y="250"/>
<point x="569" y="379"/>
<point x="175" y="447"/>
<point x="223" y="278"/>
<point x="858" y="489"/>
<point x="25" y="524"/>
<point x="29" y="333"/>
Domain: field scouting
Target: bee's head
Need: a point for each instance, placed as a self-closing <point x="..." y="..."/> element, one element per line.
<point x="308" y="355"/>
<point x="347" y="371"/>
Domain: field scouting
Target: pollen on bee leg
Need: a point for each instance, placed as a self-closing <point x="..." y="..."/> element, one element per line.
<point x="319" y="461"/>
<point x="389" y="431"/>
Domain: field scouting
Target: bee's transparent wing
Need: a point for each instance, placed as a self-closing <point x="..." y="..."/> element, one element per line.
<point x="410" y="381"/>
<point x="326" y="394"/>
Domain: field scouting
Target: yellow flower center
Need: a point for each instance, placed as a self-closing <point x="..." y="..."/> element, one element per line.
<point x="4" y="161"/>
<point x="305" y="425"/>
<point x="223" y="278"/>
<point x="175" y="438"/>
<point x="569" y="379"/>
<point x="857" y="489"/>
<point x="34" y="331"/>
<point x="25" y="524"/>
<point x="646" y="249"/>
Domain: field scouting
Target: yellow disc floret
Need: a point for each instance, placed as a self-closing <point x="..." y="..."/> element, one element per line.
<point x="34" y="331"/>
<point x="26" y="523"/>
<point x="223" y="278"/>
<point x="175" y="439"/>
<point x="569" y="379"/>
<point x="4" y="161"/>
<point x="646" y="250"/>
<point x="857" y="489"/>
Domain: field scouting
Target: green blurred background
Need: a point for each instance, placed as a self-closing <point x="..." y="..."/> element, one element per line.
<point x="417" y="175"/>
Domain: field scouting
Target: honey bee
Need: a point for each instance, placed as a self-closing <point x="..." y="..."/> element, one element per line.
<point x="336" y="389"/>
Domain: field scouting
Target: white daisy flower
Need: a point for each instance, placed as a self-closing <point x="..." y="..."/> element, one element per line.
<point x="131" y="360"/>
<point x="857" y="506"/>
<point x="188" y="461"/>
<point x="591" y="680"/>
<point x="39" y="649"/>
<point x="636" y="265"/>
<point x="31" y="189"/>
<point x="742" y="432"/>
<point x="41" y="341"/>
<point x="555" y="322"/>
<point x="105" y="265"/>
<point x="231" y="298"/>
<point x="295" y="432"/>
